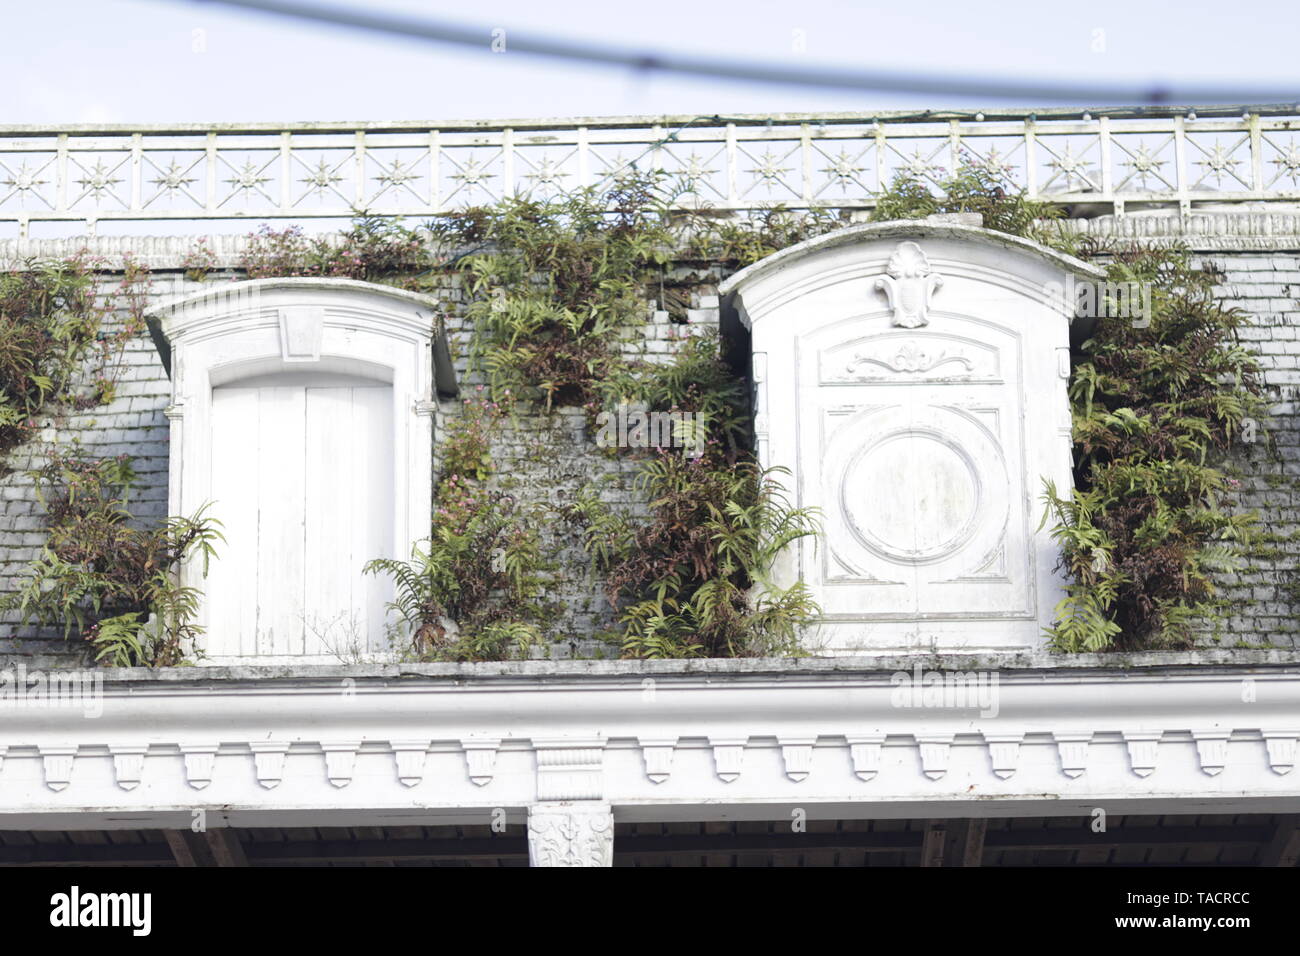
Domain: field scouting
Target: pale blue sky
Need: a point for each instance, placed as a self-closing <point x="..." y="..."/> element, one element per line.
<point x="79" y="61"/>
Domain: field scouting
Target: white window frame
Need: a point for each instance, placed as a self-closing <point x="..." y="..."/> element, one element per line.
<point x="259" y="327"/>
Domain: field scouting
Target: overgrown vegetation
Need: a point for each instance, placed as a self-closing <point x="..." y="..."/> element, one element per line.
<point x="1157" y="399"/>
<point x="554" y="284"/>
<point x="556" y="291"/>
<point x="693" y="581"/>
<point x="1156" y="405"/>
<point x="374" y="248"/>
<point x="973" y="187"/>
<point x="58" y="347"/>
<point x="111" y="582"/>
<point x="61" y="341"/>
<point x="474" y="589"/>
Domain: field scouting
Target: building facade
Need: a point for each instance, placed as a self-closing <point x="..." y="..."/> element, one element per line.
<point x="910" y="377"/>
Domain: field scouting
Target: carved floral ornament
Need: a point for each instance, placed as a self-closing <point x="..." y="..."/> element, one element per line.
<point x="908" y="285"/>
<point x="910" y="357"/>
<point x="571" y="836"/>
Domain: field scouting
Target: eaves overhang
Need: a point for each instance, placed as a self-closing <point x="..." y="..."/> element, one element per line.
<point x="671" y="740"/>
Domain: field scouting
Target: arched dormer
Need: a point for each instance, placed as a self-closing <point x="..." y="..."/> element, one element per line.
<point x="302" y="410"/>
<point x="912" y="377"/>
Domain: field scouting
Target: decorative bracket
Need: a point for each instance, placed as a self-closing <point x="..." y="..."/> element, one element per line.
<point x="198" y="763"/>
<point x="864" y="750"/>
<point x="128" y="765"/>
<point x="411" y="756"/>
<point x="658" y="756"/>
<point x="268" y="758"/>
<point x="340" y="758"/>
<point x="1142" y="747"/>
<point x="796" y="753"/>
<point x="728" y="757"/>
<point x="1212" y="748"/>
<point x="481" y="758"/>
<point x="1073" y="750"/>
<point x="935" y="750"/>
<point x="1281" y="746"/>
<point x="58" y="766"/>
<point x="1004" y="753"/>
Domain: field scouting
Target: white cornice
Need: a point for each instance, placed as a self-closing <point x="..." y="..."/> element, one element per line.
<point x="656" y="741"/>
<point x="217" y="303"/>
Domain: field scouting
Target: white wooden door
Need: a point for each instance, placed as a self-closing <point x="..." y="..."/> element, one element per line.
<point x="917" y="462"/>
<point x="301" y="479"/>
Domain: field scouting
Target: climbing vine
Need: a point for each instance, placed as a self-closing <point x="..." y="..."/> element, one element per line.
<point x="1156" y="406"/>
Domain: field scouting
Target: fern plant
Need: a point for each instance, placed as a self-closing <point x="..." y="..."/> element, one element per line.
<point x="473" y="588"/>
<point x="1157" y="405"/>
<point x="110" y="581"/>
<point x="693" y="581"/>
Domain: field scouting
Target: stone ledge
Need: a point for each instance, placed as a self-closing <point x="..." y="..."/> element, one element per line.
<point x="1081" y="664"/>
<point x="1239" y="230"/>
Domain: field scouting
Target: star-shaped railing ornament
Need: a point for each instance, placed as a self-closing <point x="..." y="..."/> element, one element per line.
<point x="842" y="169"/>
<point x="1288" y="162"/>
<point x="1143" y="163"/>
<point x="695" y="172"/>
<point x="398" y="174"/>
<point x="768" y="169"/>
<point x="472" y="173"/>
<point x="994" y="163"/>
<point x="98" y="180"/>
<point x="548" y="172"/>
<point x="918" y="166"/>
<point x="1070" y="166"/>
<point x="24" y="180"/>
<point x="321" y="177"/>
<point x="173" y="178"/>
<point x="248" y="177"/>
<point x="1218" y="163"/>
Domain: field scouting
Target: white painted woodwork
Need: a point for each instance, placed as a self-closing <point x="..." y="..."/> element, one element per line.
<point x="912" y="378"/>
<point x="302" y="413"/>
<point x="390" y="745"/>
<point x="300" y="479"/>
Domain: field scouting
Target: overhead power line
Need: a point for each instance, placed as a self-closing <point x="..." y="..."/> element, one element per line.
<point x="1071" y="91"/>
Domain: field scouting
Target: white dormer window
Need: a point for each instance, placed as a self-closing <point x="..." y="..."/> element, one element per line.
<point x="302" y="410"/>
<point x="912" y="377"/>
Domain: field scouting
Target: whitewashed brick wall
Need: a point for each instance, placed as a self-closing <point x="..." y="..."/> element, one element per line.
<point x="551" y="458"/>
